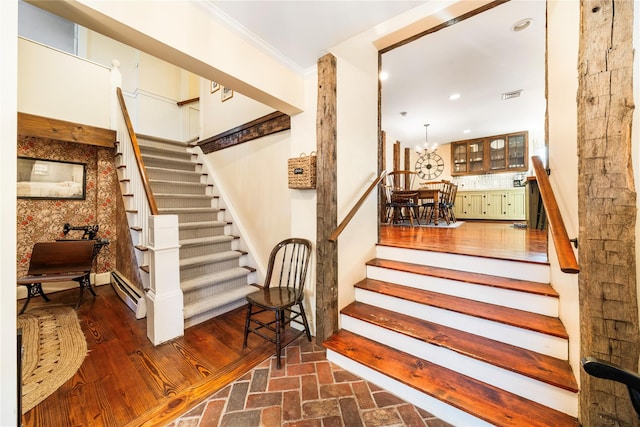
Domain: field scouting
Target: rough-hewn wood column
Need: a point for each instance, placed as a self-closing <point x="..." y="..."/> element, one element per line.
<point x="326" y="187"/>
<point x="607" y="208"/>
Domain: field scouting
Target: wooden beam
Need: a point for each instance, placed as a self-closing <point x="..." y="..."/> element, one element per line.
<point x="327" y="210"/>
<point x="263" y="126"/>
<point x="60" y="130"/>
<point x="607" y="207"/>
<point x="407" y="159"/>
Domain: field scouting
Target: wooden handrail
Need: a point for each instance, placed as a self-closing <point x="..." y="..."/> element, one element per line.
<point x="334" y="236"/>
<point x="188" y="101"/>
<point x="136" y="150"/>
<point x="566" y="257"/>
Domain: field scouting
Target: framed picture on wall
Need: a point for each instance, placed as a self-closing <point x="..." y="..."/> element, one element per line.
<point x="215" y="87"/>
<point x="227" y="93"/>
<point x="51" y="179"/>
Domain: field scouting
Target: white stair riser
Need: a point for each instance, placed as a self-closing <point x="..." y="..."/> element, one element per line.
<point x="545" y="394"/>
<point x="141" y="257"/>
<point x="183" y="202"/>
<point x="131" y="218"/>
<point x="178" y="188"/>
<point x="513" y="269"/>
<point x="177" y="175"/>
<point x="214" y="312"/>
<point x="531" y="340"/>
<point x="432" y="405"/>
<point x="503" y="297"/>
<point x="197" y="250"/>
<point x="194" y="233"/>
<point x="169" y="164"/>
<point x="191" y="272"/>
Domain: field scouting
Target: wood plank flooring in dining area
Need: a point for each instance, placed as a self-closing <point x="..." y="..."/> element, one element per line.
<point x="125" y="379"/>
<point x="479" y="238"/>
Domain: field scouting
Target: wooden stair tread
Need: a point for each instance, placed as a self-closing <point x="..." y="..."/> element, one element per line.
<point x="483" y="401"/>
<point x="463" y="276"/>
<point x="525" y="362"/>
<point x="508" y="316"/>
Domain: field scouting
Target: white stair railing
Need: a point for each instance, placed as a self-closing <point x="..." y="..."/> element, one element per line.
<point x="159" y="233"/>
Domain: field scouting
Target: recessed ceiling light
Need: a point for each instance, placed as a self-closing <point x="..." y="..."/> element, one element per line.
<point x="466" y="131"/>
<point x="454" y="96"/>
<point x="521" y="25"/>
<point x="384" y="75"/>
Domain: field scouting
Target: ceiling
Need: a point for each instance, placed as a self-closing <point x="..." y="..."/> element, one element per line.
<point x="303" y="31"/>
<point x="479" y="58"/>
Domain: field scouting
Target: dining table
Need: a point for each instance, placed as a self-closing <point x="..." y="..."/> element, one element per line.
<point x="422" y="194"/>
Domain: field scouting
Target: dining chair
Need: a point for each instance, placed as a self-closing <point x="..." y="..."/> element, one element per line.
<point x="281" y="296"/>
<point x="427" y="205"/>
<point x="401" y="179"/>
<point x="402" y="199"/>
<point x="452" y="202"/>
<point x="444" y="204"/>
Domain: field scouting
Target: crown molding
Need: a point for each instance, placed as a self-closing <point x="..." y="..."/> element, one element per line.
<point x="250" y="37"/>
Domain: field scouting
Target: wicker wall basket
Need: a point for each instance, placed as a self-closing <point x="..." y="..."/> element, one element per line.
<point x="302" y="171"/>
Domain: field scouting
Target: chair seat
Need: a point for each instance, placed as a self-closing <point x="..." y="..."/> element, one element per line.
<point x="273" y="297"/>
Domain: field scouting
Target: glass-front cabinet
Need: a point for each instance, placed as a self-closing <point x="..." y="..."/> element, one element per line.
<point x="517" y="149"/>
<point x="459" y="158"/>
<point x="498" y="153"/>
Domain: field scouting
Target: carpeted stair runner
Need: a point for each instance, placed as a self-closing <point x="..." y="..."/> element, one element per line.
<point x="212" y="275"/>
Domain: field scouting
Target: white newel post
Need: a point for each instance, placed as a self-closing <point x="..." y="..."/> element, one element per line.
<point x="164" y="300"/>
<point x="116" y="81"/>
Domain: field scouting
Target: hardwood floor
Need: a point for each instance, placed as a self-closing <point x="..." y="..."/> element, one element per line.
<point x="125" y="380"/>
<point x="124" y="376"/>
<point x="479" y="238"/>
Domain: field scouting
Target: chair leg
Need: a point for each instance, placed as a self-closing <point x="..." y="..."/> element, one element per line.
<point x="304" y="321"/>
<point x="33" y="290"/>
<point x="85" y="282"/>
<point x="246" y="326"/>
<point x="278" y="338"/>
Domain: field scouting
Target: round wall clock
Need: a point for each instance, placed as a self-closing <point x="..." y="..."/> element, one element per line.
<point x="429" y="166"/>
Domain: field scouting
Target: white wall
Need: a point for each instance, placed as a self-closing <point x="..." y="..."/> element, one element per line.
<point x="303" y="202"/>
<point x="219" y="116"/>
<point x="253" y="177"/>
<point x="77" y="90"/>
<point x="563" y="26"/>
<point x="8" y="135"/>
<point x="357" y="157"/>
<point x="198" y="42"/>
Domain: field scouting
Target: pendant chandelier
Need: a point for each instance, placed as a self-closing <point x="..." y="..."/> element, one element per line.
<point x="427" y="149"/>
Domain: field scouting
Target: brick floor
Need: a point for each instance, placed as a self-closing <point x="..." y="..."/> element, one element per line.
<point x="308" y="391"/>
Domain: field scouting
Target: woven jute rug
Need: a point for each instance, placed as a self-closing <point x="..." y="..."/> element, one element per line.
<point x="54" y="348"/>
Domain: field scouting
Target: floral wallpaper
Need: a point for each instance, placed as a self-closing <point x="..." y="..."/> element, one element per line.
<point x="42" y="220"/>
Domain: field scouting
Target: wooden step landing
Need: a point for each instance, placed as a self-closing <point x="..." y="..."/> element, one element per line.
<point x="536" y="288"/>
<point x="534" y="365"/>
<point x="467" y="394"/>
<point x="522" y="319"/>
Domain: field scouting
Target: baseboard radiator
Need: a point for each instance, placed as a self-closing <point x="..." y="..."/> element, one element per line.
<point x="132" y="296"/>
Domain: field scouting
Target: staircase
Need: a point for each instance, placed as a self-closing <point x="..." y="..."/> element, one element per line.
<point x="213" y="275"/>
<point x="472" y="348"/>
